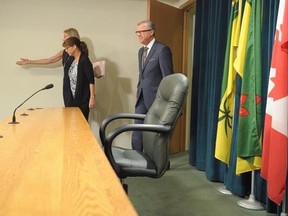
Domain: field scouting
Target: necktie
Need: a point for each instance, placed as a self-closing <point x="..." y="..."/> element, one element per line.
<point x="144" y="55"/>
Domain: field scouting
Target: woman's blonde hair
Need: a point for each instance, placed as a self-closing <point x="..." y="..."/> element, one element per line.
<point x="72" y="32"/>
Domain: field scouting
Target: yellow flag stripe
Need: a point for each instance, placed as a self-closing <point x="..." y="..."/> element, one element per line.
<point x="226" y="109"/>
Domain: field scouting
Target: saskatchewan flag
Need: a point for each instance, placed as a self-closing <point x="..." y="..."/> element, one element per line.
<point x="226" y="109"/>
<point x="248" y="65"/>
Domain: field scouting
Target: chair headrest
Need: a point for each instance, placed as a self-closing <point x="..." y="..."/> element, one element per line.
<point x="169" y="100"/>
<point x="173" y="87"/>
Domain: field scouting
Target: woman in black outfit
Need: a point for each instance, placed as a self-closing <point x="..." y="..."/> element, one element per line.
<point x="78" y="81"/>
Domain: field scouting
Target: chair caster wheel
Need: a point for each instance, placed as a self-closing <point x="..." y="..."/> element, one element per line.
<point x="168" y="166"/>
<point x="125" y="186"/>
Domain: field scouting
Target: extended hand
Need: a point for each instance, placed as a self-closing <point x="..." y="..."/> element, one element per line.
<point x="92" y="103"/>
<point x="23" y="61"/>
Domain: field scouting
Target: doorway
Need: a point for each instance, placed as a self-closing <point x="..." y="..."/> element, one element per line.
<point x="175" y="27"/>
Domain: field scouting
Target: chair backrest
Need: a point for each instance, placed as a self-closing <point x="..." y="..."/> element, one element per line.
<point x="165" y="110"/>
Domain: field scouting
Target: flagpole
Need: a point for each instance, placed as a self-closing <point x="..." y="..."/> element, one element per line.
<point x="251" y="203"/>
<point x="284" y="212"/>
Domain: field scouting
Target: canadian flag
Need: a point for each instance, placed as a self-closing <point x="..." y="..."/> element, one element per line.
<point x="275" y="142"/>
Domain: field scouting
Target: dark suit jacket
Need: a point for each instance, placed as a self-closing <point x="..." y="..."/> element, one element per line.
<point x="158" y="65"/>
<point x="85" y="77"/>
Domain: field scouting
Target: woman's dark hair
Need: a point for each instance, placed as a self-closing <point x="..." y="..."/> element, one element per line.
<point x="81" y="45"/>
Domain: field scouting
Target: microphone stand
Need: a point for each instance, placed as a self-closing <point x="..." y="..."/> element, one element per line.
<point x="14" y="117"/>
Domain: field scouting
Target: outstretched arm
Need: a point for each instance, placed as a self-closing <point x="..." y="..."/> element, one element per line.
<point x="50" y="60"/>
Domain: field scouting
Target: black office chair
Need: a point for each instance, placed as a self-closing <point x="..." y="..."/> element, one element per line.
<point x="157" y="129"/>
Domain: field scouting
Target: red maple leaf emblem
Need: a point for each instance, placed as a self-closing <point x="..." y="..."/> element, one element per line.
<point x="284" y="47"/>
<point x="242" y="110"/>
<point x="279" y="63"/>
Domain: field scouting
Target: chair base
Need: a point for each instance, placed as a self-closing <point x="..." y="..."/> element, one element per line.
<point x="168" y="166"/>
<point x="125" y="187"/>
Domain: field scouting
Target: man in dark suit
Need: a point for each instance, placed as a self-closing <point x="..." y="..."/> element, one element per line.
<point x="155" y="62"/>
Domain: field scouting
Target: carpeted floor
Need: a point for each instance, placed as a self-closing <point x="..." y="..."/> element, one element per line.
<point x="183" y="190"/>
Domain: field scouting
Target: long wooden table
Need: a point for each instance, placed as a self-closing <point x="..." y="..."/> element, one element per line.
<point x="51" y="164"/>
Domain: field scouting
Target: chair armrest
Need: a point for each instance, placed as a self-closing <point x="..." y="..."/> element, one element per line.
<point x="108" y="120"/>
<point x="107" y="141"/>
<point x="138" y="127"/>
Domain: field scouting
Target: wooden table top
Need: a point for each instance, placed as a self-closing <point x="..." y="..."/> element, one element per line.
<point x="51" y="164"/>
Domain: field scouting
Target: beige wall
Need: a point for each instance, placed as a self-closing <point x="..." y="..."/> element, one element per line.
<point x="34" y="29"/>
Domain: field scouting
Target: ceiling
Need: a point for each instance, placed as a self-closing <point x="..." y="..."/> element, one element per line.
<point x="174" y="3"/>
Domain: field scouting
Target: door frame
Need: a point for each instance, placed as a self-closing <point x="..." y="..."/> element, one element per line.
<point x="157" y="12"/>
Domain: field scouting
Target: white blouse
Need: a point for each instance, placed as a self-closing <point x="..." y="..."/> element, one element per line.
<point x="73" y="77"/>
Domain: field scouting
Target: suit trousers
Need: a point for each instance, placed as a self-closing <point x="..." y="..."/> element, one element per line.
<point x="137" y="141"/>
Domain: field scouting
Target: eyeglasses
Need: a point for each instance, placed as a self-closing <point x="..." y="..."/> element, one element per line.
<point x="141" y="31"/>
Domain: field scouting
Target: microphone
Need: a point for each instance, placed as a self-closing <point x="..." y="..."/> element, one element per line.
<point x="14" y="117"/>
<point x="47" y="87"/>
